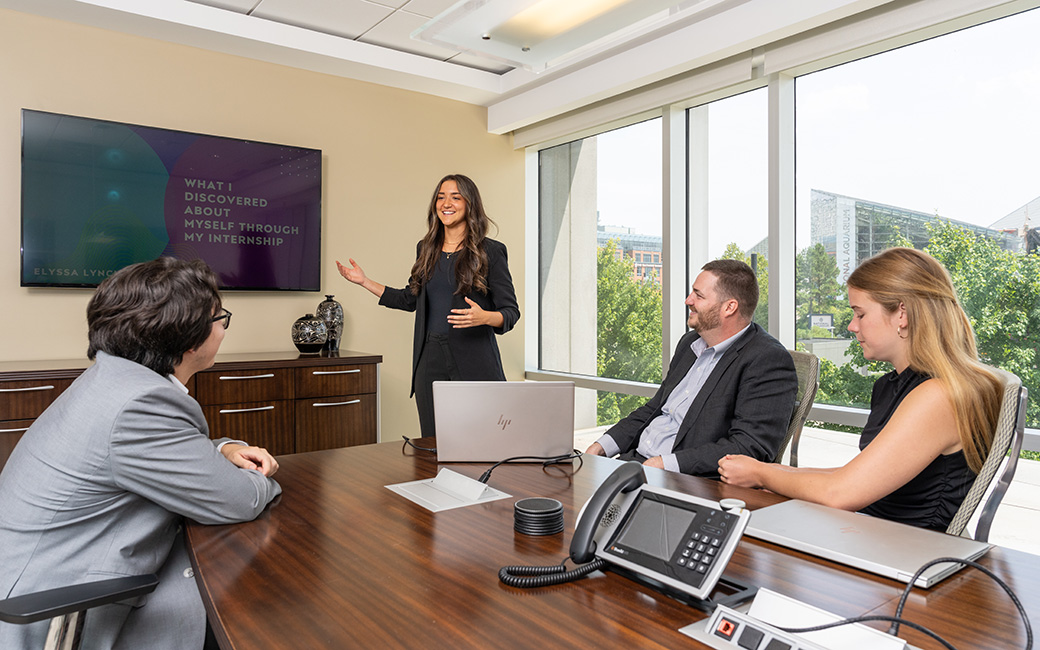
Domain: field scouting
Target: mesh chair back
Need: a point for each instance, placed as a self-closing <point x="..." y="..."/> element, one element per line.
<point x="1008" y="436"/>
<point x="807" y="367"/>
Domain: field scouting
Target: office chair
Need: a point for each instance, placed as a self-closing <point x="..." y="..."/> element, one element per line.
<point x="1010" y="431"/>
<point x="67" y="606"/>
<point x="807" y="367"/>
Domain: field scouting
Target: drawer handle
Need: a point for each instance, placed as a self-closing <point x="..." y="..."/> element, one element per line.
<point x="25" y="390"/>
<point x="353" y="401"/>
<point x="270" y="374"/>
<point x="336" y="372"/>
<point x="259" y="408"/>
<point x="14" y="430"/>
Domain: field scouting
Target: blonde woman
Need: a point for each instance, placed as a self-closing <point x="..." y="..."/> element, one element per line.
<point x="931" y="419"/>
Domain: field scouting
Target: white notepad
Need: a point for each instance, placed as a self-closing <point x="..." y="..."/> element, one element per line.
<point x="447" y="490"/>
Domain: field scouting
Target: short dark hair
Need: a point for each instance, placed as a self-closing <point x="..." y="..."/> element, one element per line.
<point x="734" y="280"/>
<point x="153" y="312"/>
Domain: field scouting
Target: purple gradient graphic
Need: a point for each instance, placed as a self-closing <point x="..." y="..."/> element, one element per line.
<point x="251" y="210"/>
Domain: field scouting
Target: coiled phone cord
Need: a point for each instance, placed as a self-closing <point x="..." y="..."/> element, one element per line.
<point x="544" y="576"/>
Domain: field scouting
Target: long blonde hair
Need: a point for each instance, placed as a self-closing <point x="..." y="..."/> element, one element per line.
<point x="941" y="343"/>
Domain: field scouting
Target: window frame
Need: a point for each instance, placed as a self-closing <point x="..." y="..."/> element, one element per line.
<point x="829" y="47"/>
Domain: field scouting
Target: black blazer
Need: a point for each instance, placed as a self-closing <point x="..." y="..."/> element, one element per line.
<point x="474" y="348"/>
<point x="744" y="406"/>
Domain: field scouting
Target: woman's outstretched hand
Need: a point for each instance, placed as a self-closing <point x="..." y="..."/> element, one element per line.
<point x="354" y="273"/>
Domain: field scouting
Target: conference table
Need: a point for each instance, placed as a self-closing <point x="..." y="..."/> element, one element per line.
<point x="340" y="561"/>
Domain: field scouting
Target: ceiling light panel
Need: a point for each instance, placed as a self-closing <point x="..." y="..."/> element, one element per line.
<point x="535" y="33"/>
<point x="393" y="33"/>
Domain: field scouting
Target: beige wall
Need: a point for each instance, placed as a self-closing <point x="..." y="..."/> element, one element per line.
<point x="383" y="151"/>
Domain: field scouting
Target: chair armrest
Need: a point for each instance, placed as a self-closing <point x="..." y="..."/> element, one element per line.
<point x="47" y="604"/>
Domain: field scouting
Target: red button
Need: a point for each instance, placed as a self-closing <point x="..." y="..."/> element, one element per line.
<point x="726" y="628"/>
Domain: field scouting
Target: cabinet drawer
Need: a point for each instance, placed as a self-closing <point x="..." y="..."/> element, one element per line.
<point x="10" y="433"/>
<point x="324" y="381"/>
<point x="331" y="422"/>
<point x="262" y="424"/>
<point x="236" y="386"/>
<point x="27" y="399"/>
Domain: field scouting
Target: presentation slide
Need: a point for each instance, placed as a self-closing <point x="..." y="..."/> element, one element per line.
<point x="98" y="195"/>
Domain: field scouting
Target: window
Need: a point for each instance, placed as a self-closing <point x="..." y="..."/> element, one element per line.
<point x="599" y="202"/>
<point x="942" y="160"/>
<point x="930" y="145"/>
<point x="728" y="187"/>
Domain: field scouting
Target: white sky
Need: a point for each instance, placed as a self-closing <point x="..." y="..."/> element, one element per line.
<point x="950" y="125"/>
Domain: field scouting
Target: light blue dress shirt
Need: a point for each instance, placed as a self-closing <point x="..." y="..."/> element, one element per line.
<point x="658" y="438"/>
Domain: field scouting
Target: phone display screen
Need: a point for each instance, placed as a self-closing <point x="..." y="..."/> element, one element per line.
<point x="679" y="539"/>
<point x="656" y="528"/>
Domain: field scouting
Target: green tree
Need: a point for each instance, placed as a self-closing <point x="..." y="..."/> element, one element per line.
<point x="1000" y="292"/>
<point x="845" y="384"/>
<point x="761" y="266"/>
<point x="629" y="324"/>
<point x="817" y="291"/>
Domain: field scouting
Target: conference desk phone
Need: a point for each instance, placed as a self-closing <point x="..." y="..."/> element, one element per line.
<point x="674" y="542"/>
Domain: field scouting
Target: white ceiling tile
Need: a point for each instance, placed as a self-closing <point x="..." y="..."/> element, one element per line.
<point x="428" y="8"/>
<point x="395" y="4"/>
<point x="348" y="18"/>
<point x="394" y="32"/>
<point x="240" y="6"/>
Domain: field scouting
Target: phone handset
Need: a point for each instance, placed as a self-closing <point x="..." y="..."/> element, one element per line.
<point x="624" y="479"/>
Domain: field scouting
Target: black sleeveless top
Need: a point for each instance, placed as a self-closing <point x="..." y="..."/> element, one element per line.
<point x="930" y="499"/>
<point x="439" y="290"/>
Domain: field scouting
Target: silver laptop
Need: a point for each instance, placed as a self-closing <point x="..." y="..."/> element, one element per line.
<point x="489" y="421"/>
<point x="872" y="544"/>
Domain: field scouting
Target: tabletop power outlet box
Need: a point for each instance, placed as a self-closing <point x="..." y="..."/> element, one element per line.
<point x="757" y="629"/>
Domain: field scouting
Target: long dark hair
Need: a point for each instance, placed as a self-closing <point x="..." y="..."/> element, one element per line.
<point x="153" y="312"/>
<point x="471" y="264"/>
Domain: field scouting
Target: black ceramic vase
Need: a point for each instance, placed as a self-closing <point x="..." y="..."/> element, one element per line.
<point x="309" y="334"/>
<point x="332" y="313"/>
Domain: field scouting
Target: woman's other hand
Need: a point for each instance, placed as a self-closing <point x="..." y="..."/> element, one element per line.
<point x="474" y="316"/>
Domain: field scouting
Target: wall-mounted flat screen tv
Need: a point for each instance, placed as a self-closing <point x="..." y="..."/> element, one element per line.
<point x="99" y="195"/>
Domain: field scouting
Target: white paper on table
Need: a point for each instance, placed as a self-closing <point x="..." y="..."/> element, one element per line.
<point x="447" y="490"/>
<point x="780" y="611"/>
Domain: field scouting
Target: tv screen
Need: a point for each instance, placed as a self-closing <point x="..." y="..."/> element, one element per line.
<point x="99" y="195"/>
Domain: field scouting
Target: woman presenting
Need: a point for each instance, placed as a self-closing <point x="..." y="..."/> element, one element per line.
<point x="461" y="291"/>
<point x="931" y="420"/>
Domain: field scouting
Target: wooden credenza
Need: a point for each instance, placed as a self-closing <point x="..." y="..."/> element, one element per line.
<point x="284" y="401"/>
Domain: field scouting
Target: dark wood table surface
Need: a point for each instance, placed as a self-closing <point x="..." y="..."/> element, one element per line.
<point x="339" y="561"/>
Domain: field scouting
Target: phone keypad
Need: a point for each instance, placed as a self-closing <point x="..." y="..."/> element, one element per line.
<point x="705" y="540"/>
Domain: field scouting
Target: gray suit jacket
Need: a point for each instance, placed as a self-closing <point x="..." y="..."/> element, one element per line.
<point x="98" y="488"/>
<point x="744" y="406"/>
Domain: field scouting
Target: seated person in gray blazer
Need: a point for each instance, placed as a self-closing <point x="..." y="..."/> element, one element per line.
<point x="730" y="385"/>
<point x="99" y="485"/>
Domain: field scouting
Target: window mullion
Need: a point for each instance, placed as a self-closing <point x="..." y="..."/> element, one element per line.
<point x="673" y="229"/>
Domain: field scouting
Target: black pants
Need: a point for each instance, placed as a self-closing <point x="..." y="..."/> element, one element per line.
<point x="436" y="363"/>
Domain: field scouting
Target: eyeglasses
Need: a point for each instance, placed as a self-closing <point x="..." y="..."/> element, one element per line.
<point x="226" y="317"/>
